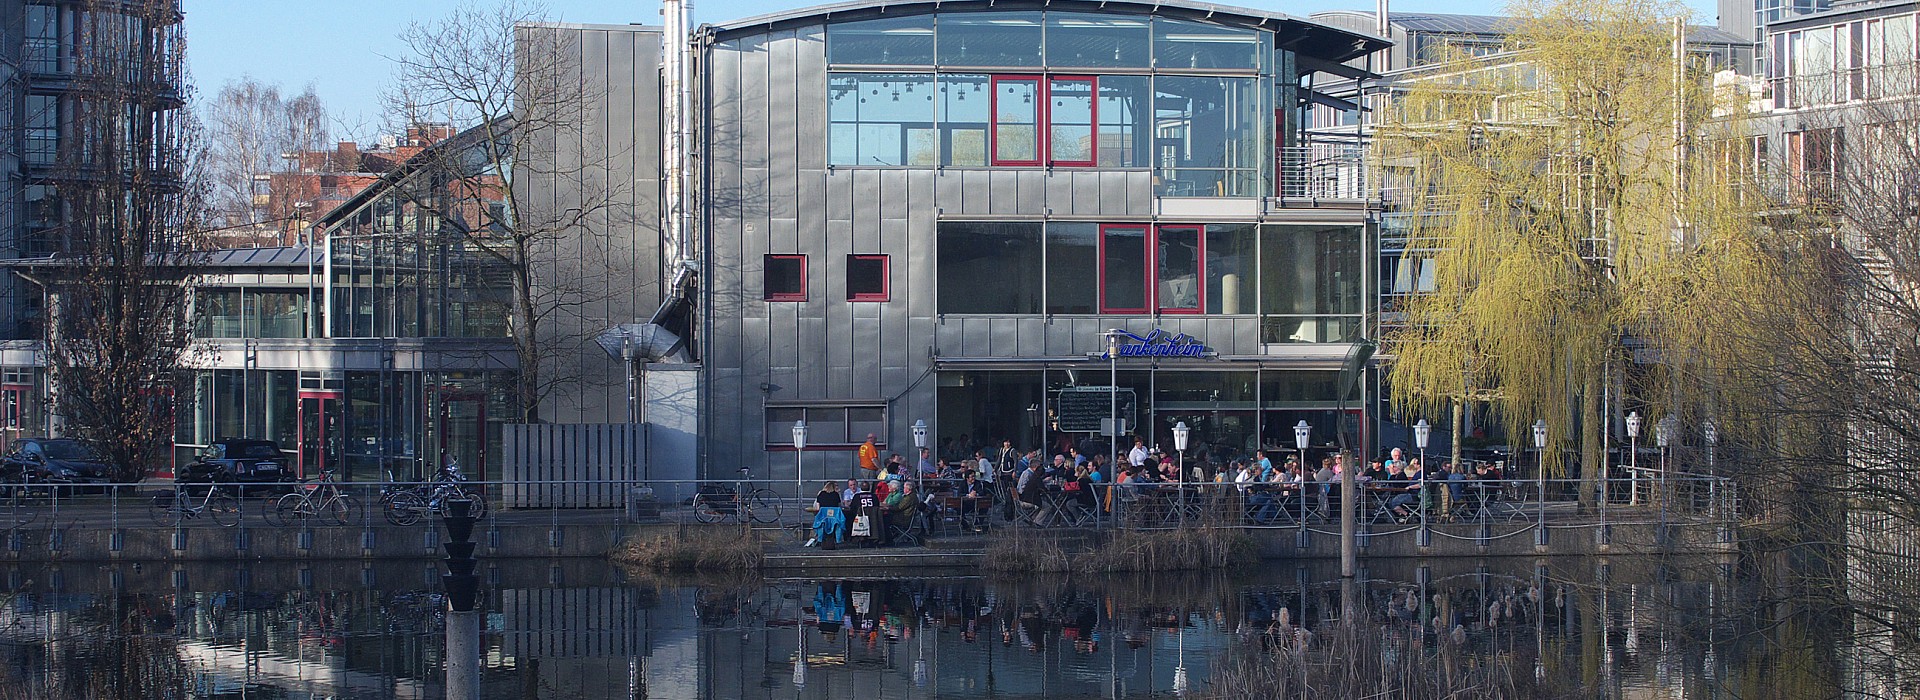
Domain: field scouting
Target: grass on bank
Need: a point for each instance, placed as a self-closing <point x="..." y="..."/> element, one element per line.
<point x="693" y="549"/>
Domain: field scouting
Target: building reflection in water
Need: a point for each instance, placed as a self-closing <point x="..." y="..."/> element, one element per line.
<point x="1583" y="627"/>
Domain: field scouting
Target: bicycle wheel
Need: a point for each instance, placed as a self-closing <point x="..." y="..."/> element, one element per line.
<point x="404" y="509"/>
<point x="270" y="510"/>
<point x="763" y="506"/>
<point x="224" y="508"/>
<point x="704" y="511"/>
<point x="292" y="508"/>
<point x="479" y="508"/>
<point x="342" y="509"/>
<point x="163" y="510"/>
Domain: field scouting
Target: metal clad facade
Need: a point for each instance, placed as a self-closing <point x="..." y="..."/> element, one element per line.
<point x="772" y="192"/>
<point x="608" y="271"/>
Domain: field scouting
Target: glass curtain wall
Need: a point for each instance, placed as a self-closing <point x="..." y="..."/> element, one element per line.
<point x="1231" y="412"/>
<point x="1027" y="90"/>
<point x="403" y="268"/>
<point x="235" y="403"/>
<point x="1311" y="286"/>
<point x="252" y="313"/>
<point x="1306" y="280"/>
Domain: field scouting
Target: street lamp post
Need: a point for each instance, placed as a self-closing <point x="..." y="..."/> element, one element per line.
<point x="1422" y="431"/>
<point x="1113" y="409"/>
<point x="1713" y="470"/>
<point x="799" y="448"/>
<point x="1662" y="434"/>
<point x="1301" y="435"/>
<point x="1180" y="433"/>
<point x="1633" y="458"/>
<point x="1540" y="480"/>
<point x="919" y="443"/>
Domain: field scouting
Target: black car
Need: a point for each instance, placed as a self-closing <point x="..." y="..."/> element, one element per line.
<point x="60" y="462"/>
<point x="252" y="464"/>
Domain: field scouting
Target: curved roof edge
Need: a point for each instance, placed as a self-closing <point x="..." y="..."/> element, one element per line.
<point x="1319" y="40"/>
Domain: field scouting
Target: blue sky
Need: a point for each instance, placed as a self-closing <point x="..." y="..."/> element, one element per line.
<point x="339" y="47"/>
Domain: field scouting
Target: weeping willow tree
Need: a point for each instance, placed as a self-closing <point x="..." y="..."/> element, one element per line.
<point x="1562" y="193"/>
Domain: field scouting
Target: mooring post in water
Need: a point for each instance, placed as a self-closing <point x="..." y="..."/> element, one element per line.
<point x="463" y="617"/>
<point x="1347" y="515"/>
<point x="463" y="655"/>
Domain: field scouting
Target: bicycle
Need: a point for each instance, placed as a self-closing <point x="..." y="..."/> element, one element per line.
<point x="174" y="506"/>
<point x="313" y="498"/>
<point x="742" y="503"/>
<point x="406" y="506"/>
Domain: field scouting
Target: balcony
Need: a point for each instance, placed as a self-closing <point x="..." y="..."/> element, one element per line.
<point x="1325" y="172"/>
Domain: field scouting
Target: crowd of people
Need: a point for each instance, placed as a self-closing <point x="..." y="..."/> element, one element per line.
<point x="1072" y="487"/>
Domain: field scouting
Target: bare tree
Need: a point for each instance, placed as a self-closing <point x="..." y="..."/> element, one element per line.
<point x="117" y="297"/>
<point x="519" y="92"/>
<point x="251" y="128"/>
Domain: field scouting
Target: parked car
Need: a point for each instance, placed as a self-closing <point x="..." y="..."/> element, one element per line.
<point x="252" y="464"/>
<point x="64" y="463"/>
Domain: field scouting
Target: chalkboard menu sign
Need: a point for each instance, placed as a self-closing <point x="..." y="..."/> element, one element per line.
<point x="1083" y="407"/>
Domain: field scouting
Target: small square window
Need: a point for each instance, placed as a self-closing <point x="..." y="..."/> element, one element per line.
<point x="866" y="278"/>
<point x="786" y="278"/>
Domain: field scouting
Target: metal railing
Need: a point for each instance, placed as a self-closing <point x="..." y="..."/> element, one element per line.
<point x="1553" y="502"/>
<point x="35" y="515"/>
<point x="1325" y="171"/>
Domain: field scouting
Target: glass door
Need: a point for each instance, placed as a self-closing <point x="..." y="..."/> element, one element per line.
<point x="319" y="433"/>
<point x="463" y="432"/>
<point x="13" y="409"/>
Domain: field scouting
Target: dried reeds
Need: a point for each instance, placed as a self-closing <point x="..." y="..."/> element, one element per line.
<point x="1348" y="661"/>
<point x="692" y="549"/>
<point x="1183" y="549"/>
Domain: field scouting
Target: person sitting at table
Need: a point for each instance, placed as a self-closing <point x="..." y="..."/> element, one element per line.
<point x="972" y="492"/>
<point x="828" y="521"/>
<point x="1404" y="488"/>
<point x="1031" y="488"/>
<point x="1261" y="505"/>
<point x="1374" y="472"/>
<point x="1080" y="487"/>
<point x="864" y="504"/>
<point x="898" y="511"/>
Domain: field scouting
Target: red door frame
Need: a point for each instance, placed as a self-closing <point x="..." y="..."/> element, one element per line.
<point x="300" y="428"/>
<point x="13" y="411"/>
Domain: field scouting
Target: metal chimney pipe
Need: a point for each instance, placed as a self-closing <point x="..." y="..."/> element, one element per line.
<point x="676" y="48"/>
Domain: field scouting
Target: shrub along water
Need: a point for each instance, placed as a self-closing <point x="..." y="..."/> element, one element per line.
<point x="693" y="549"/>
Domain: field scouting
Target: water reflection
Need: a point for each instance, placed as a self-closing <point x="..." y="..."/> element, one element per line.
<point x="583" y="630"/>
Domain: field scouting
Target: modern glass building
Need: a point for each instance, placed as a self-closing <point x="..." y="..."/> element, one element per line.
<point x="936" y="212"/>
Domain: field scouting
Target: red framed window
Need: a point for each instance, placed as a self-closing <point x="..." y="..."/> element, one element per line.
<point x="1179" y="254"/>
<point x="1018" y="102"/>
<point x="1124" y="287"/>
<point x="784" y="278"/>
<point x="1073" y="120"/>
<point x="867" y="278"/>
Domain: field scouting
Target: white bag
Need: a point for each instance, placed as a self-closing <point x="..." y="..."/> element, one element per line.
<point x="861" y="528"/>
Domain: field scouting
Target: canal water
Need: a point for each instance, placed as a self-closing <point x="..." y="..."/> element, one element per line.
<point x="1623" y="628"/>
